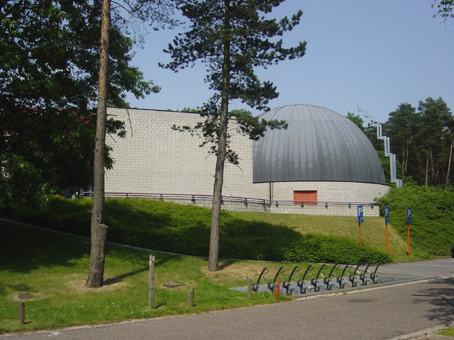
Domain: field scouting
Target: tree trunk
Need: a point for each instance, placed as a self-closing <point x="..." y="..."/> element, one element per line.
<point x="213" y="258"/>
<point x="407" y="155"/>
<point x="98" y="229"/>
<point x="427" y="171"/>
<point x="403" y="159"/>
<point x="449" y="165"/>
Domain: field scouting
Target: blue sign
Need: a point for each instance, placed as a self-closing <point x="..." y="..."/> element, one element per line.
<point x="360" y="211"/>
<point x="386" y="215"/>
<point x="360" y="220"/>
<point x="408" y="215"/>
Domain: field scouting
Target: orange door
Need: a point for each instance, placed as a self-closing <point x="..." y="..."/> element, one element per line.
<point x="307" y="197"/>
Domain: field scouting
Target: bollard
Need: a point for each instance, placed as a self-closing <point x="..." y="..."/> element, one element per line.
<point x="191" y="297"/>
<point x="21" y="312"/>
<point x="277" y="288"/>
<point x="151" y="282"/>
<point x="249" y="288"/>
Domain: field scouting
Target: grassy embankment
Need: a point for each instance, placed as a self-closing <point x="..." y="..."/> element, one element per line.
<point x="53" y="267"/>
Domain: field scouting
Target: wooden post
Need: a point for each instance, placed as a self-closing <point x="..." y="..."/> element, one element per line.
<point x="191" y="297"/>
<point x="21" y="312"/>
<point x="151" y="282"/>
<point x="249" y="288"/>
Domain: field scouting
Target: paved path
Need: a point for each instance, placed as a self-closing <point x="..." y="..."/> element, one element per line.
<point x="388" y="312"/>
<point x="425" y="269"/>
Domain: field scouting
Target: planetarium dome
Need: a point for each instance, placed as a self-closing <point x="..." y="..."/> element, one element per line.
<point x="318" y="145"/>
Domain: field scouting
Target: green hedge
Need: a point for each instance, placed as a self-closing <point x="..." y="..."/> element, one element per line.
<point x="432" y="209"/>
<point x="331" y="249"/>
<point x="185" y="229"/>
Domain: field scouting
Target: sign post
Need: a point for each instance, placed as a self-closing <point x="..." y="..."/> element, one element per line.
<point x="359" y="209"/>
<point x="386" y="225"/>
<point x="408" y="229"/>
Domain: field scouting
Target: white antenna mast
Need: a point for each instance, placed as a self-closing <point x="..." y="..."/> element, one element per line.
<point x="392" y="157"/>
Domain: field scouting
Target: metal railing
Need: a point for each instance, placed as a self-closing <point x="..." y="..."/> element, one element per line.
<point x="234" y="199"/>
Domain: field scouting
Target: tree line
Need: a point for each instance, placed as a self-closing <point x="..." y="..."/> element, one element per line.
<point x="422" y="139"/>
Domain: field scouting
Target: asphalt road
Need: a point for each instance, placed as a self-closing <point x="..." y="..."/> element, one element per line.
<point x="386" y="312"/>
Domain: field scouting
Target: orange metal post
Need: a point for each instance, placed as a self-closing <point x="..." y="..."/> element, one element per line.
<point x="408" y="237"/>
<point x="387" y="243"/>
<point x="277" y="288"/>
<point x="359" y="234"/>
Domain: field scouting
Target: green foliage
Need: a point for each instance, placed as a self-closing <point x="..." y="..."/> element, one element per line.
<point x="185" y="229"/>
<point x="445" y="8"/>
<point x="432" y="208"/>
<point x="233" y="38"/>
<point x="330" y="249"/>
<point x="359" y="122"/>
<point x="237" y="35"/>
<point x="49" y="64"/>
<point x="422" y="140"/>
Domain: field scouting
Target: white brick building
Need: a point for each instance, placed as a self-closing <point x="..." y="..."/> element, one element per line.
<point x="157" y="161"/>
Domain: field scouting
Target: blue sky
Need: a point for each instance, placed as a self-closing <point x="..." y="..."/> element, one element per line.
<point x="376" y="54"/>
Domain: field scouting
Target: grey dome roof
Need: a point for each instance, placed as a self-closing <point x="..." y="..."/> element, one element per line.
<point x="318" y="145"/>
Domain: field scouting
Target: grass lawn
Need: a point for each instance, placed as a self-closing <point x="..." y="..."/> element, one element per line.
<point x="373" y="231"/>
<point x="53" y="268"/>
<point x="447" y="332"/>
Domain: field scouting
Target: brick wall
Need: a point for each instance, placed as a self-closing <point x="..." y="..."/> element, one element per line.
<point x="155" y="158"/>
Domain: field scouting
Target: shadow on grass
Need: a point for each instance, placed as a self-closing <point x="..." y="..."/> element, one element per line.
<point x="226" y="264"/>
<point x="179" y="229"/>
<point x="167" y="227"/>
<point x="120" y="278"/>
<point x="23" y="248"/>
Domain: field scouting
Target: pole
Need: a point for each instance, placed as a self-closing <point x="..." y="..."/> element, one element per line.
<point x="249" y="288"/>
<point x="359" y="234"/>
<point x="191" y="297"/>
<point x="408" y="237"/>
<point x="151" y="282"/>
<point x="387" y="243"/>
<point x="277" y="288"/>
<point x="21" y="312"/>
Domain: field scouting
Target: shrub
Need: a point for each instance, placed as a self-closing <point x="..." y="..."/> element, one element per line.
<point x="432" y="208"/>
<point x="329" y="249"/>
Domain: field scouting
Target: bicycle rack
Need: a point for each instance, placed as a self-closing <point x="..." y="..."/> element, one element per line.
<point x="302" y="284"/>
<point x="341" y="280"/>
<point x="373" y="276"/>
<point x="318" y="283"/>
<point x="273" y="286"/>
<point x="256" y="286"/>
<point x="355" y="280"/>
<point x="331" y="282"/>
<point x="287" y="285"/>
<point x="365" y="279"/>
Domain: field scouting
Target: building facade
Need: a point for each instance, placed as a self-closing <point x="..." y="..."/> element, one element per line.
<point x="157" y="160"/>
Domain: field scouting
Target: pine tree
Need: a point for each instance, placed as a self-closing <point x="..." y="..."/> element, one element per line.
<point x="232" y="38"/>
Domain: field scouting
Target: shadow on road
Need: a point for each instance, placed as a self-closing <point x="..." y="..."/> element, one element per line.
<point x="442" y="298"/>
